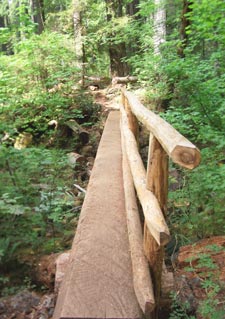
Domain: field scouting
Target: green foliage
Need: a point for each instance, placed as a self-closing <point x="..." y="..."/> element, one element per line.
<point x="35" y="201"/>
<point x="179" y="310"/>
<point x="39" y="84"/>
<point x="207" y="24"/>
<point x="202" y="267"/>
<point x="56" y="5"/>
<point x="5" y="35"/>
<point x="208" y="272"/>
<point x="36" y="86"/>
<point x="191" y="91"/>
<point x="196" y="209"/>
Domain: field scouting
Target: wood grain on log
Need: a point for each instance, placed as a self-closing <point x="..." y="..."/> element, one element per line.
<point x="182" y="151"/>
<point x="141" y="275"/>
<point x="98" y="282"/>
<point x="124" y="79"/>
<point x="153" y="215"/>
<point x="132" y="120"/>
<point x="156" y="182"/>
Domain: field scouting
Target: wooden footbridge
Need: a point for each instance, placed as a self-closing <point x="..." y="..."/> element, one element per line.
<point x="116" y="261"/>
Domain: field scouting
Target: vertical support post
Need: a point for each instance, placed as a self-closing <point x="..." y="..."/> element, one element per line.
<point x="132" y="120"/>
<point x="156" y="182"/>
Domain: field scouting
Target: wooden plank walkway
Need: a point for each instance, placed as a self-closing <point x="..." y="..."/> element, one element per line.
<point x="99" y="282"/>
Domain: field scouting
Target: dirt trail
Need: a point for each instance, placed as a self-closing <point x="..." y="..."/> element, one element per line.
<point x="107" y="98"/>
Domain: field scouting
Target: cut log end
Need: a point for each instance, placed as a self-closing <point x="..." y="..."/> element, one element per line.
<point x="187" y="157"/>
<point x="161" y="236"/>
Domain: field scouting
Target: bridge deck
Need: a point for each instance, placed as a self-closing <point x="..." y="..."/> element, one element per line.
<point x="99" y="283"/>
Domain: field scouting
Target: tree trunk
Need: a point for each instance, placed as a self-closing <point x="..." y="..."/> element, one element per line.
<point x="78" y="34"/>
<point x="3" y="46"/>
<point x="42" y="9"/>
<point x="117" y="52"/>
<point x="117" y="66"/>
<point x="37" y="14"/>
<point x="132" y="8"/>
<point x="185" y="23"/>
<point x="159" y="25"/>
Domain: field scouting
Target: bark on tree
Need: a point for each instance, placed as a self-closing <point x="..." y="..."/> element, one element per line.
<point x="159" y="25"/>
<point x="117" y="52"/>
<point x="3" y="47"/>
<point x="185" y="23"/>
<point x="132" y="8"/>
<point x="37" y="7"/>
<point x="78" y="35"/>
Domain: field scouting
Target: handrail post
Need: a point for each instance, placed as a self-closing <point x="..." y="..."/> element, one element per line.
<point x="156" y="182"/>
<point x="132" y="120"/>
<point x="152" y="187"/>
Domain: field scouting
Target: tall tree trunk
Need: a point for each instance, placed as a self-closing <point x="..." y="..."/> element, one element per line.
<point x="3" y="47"/>
<point x="159" y="25"/>
<point x="185" y="23"/>
<point x="78" y="37"/>
<point x="117" y="52"/>
<point x="37" y="14"/>
<point x="132" y="8"/>
<point x="42" y="9"/>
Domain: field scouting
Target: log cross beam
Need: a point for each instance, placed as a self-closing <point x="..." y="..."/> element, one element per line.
<point x="152" y="186"/>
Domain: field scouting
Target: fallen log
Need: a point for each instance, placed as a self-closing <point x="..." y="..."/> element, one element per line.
<point x="76" y="128"/>
<point x="75" y="158"/>
<point x="100" y="82"/>
<point x="124" y="80"/>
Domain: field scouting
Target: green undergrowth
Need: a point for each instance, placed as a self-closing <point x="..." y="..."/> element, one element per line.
<point x="38" y="203"/>
<point x="202" y="268"/>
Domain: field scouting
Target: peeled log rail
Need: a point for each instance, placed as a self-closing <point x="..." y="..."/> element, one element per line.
<point x="182" y="151"/>
<point x="157" y="183"/>
<point x="153" y="215"/>
<point x="141" y="275"/>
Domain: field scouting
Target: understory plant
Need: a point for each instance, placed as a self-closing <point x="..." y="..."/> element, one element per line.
<point x="203" y="268"/>
<point x="40" y="94"/>
<point x="35" y="199"/>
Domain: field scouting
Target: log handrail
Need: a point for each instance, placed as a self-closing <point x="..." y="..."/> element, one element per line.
<point x="182" y="151"/>
<point x="153" y="215"/>
<point x="142" y="281"/>
<point x="152" y="186"/>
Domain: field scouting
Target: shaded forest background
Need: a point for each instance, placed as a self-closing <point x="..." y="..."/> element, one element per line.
<point x="176" y="49"/>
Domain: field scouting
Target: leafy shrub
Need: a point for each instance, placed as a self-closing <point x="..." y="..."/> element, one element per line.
<point x="35" y="201"/>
